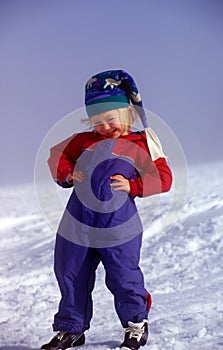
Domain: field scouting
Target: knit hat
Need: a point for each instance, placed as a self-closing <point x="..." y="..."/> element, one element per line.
<point x="111" y="90"/>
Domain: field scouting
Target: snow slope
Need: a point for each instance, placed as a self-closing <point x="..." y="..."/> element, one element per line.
<point x="183" y="271"/>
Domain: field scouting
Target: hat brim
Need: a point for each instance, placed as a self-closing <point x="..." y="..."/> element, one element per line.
<point x="107" y="104"/>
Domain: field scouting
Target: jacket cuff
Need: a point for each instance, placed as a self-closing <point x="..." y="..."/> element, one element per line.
<point x="135" y="187"/>
<point x="62" y="180"/>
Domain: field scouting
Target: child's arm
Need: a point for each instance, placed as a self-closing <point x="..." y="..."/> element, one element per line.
<point x="62" y="160"/>
<point x="154" y="174"/>
<point x="155" y="177"/>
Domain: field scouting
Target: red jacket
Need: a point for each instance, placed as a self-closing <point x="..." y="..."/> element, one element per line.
<point x="152" y="176"/>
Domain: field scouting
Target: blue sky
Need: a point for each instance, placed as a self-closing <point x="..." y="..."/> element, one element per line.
<point x="50" y="48"/>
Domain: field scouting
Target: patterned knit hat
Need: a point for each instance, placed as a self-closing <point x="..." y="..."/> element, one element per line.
<point x="111" y="90"/>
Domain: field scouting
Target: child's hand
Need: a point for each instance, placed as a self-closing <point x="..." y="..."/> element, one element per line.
<point x="75" y="176"/>
<point x="120" y="183"/>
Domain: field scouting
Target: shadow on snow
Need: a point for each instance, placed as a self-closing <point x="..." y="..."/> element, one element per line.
<point x="17" y="347"/>
<point x="109" y="344"/>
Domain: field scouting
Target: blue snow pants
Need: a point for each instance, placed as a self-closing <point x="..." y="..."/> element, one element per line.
<point x="75" y="268"/>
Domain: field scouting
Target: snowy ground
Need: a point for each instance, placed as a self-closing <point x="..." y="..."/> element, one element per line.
<point x="183" y="271"/>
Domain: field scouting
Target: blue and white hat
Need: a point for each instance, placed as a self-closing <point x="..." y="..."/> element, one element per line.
<point x="111" y="90"/>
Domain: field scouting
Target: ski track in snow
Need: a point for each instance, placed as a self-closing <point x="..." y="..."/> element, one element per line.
<point x="182" y="267"/>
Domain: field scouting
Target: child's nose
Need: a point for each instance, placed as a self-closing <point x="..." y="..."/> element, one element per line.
<point x="106" y="126"/>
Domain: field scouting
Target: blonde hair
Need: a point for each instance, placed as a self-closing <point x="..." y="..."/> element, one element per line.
<point x="127" y="117"/>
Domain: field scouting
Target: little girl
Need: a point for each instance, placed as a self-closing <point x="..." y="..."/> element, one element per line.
<point x="108" y="168"/>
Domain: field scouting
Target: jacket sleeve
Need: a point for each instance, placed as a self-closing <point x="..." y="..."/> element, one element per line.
<point x="154" y="176"/>
<point x="62" y="160"/>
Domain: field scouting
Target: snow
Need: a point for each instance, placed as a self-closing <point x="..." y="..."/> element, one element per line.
<point x="182" y="267"/>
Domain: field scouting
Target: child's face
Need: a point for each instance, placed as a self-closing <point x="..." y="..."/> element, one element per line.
<point x="108" y="124"/>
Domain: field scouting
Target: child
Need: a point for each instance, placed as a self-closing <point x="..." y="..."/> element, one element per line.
<point x="108" y="167"/>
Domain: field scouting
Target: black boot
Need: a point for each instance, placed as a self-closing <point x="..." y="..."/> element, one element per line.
<point x="65" y="340"/>
<point x="136" y="335"/>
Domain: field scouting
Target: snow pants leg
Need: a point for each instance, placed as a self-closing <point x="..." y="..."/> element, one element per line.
<point x="125" y="280"/>
<point x="74" y="267"/>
